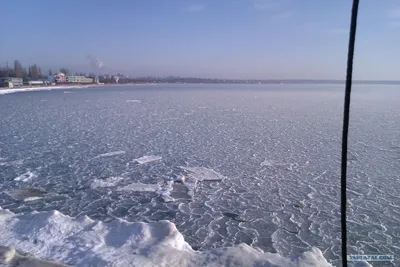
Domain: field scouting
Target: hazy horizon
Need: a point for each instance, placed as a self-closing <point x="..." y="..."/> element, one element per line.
<point x="241" y="39"/>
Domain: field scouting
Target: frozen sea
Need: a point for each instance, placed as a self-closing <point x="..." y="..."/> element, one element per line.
<point x="226" y="164"/>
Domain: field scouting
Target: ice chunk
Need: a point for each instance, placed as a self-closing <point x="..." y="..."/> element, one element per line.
<point x="198" y="174"/>
<point x="180" y="179"/>
<point x="147" y="159"/>
<point x="25" y="194"/>
<point x="110" y="154"/>
<point x="29" y="199"/>
<point x="271" y="163"/>
<point x="108" y="182"/>
<point x="203" y="174"/>
<point x="9" y="256"/>
<point x="139" y="187"/>
<point x="85" y="242"/>
<point x="6" y="255"/>
<point x="133" y="101"/>
<point x="25" y="177"/>
<point x="165" y="191"/>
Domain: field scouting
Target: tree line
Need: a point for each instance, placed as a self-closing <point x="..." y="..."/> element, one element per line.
<point x="33" y="72"/>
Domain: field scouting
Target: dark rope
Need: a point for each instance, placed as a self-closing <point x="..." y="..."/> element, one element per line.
<point x="346" y="116"/>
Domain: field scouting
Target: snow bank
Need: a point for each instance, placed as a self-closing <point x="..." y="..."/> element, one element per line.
<point x="85" y="242"/>
<point x="44" y="88"/>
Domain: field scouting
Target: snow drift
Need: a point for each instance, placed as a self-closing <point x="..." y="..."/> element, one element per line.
<point x="86" y="242"/>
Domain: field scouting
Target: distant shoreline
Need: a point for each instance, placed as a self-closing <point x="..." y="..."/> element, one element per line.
<point x="193" y="81"/>
<point x="4" y="91"/>
<point x="267" y="82"/>
<point x="196" y="80"/>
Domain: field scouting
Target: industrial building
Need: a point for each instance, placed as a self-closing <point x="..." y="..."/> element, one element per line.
<point x="62" y="78"/>
<point x="11" y="82"/>
<point x="79" y="79"/>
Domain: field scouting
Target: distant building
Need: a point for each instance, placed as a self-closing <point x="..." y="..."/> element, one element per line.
<point x="11" y="82"/>
<point x="60" y="78"/>
<point x="79" y="79"/>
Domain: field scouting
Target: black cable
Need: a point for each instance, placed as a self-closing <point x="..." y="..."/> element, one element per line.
<point x="346" y="116"/>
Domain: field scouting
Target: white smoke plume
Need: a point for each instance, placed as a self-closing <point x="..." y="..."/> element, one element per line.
<point x="95" y="62"/>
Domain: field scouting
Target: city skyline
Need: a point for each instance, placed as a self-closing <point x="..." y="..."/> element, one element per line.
<point x="238" y="39"/>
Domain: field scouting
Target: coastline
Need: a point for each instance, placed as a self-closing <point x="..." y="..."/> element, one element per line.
<point x="4" y="91"/>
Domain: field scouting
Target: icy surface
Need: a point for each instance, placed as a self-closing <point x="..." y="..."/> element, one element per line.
<point x="272" y="152"/>
<point x="86" y="242"/>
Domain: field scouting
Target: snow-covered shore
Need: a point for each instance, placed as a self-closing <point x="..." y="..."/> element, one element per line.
<point x="86" y="242"/>
<point x="43" y="88"/>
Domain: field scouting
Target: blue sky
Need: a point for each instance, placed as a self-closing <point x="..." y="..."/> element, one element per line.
<point x="258" y="39"/>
